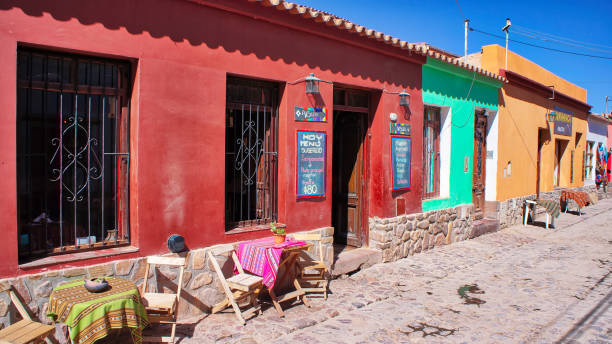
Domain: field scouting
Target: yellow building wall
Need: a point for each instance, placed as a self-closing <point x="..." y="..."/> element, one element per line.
<point x="521" y="114"/>
<point x="495" y="57"/>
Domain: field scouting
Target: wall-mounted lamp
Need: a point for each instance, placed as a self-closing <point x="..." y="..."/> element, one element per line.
<point x="393" y="116"/>
<point x="404" y="98"/>
<point x="551" y="116"/>
<point x="312" y="84"/>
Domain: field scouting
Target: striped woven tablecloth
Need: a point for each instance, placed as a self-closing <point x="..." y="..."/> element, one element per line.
<point x="262" y="257"/>
<point x="581" y="198"/>
<point x="90" y="316"/>
<point x="552" y="207"/>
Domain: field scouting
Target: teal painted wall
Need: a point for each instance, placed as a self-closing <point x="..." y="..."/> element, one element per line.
<point x="461" y="90"/>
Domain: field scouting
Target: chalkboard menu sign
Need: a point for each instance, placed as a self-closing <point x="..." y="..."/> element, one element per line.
<point x="310" y="164"/>
<point x="400" y="159"/>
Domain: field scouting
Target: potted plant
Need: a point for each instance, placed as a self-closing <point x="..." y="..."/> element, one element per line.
<point x="278" y="233"/>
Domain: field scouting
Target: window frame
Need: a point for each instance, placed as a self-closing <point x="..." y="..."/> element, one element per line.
<point x="258" y="98"/>
<point x="433" y="122"/>
<point x="61" y="77"/>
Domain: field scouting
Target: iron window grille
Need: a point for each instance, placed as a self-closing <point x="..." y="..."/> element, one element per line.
<point x="431" y="152"/>
<point x="250" y="153"/>
<point x="72" y="153"/>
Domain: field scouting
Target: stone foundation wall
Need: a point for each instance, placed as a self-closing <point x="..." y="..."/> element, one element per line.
<point x="405" y="235"/>
<point x="201" y="287"/>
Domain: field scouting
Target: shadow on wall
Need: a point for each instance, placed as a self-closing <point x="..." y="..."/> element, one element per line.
<point x="201" y="25"/>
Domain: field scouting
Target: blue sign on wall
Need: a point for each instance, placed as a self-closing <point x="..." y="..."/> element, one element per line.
<point x="563" y="121"/>
<point x="311" y="154"/>
<point x="400" y="159"/>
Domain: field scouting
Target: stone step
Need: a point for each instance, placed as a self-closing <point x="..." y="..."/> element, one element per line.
<point x="483" y="226"/>
<point x="350" y="260"/>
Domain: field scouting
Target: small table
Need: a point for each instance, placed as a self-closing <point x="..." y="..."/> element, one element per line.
<point x="263" y="258"/>
<point x="90" y="316"/>
<point x="552" y="210"/>
<point x="581" y="199"/>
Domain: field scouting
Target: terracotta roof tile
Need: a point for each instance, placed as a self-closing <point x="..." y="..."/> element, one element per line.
<point x="344" y="24"/>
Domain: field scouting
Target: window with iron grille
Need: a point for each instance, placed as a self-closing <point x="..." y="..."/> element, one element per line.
<point x="250" y="152"/>
<point x="72" y="153"/>
<point x="431" y="152"/>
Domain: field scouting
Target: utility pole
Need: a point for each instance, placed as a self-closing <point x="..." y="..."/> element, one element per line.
<point x="506" y="29"/>
<point x="466" y="22"/>
<point x="606" y="105"/>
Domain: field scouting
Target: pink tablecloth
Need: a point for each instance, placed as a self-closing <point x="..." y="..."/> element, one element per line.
<point x="262" y="257"/>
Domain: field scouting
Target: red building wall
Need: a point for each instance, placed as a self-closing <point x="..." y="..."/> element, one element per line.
<point x="182" y="53"/>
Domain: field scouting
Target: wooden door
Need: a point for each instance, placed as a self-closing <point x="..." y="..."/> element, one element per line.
<point x="480" y="156"/>
<point x="347" y="204"/>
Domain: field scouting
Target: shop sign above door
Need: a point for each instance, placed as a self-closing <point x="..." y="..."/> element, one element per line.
<point x="310" y="114"/>
<point x="563" y="121"/>
<point x="400" y="129"/>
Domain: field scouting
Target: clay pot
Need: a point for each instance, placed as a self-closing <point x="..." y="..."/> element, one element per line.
<point x="279" y="238"/>
<point x="96" y="285"/>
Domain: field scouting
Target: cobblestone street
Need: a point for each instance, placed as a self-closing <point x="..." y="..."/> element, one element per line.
<point x="527" y="284"/>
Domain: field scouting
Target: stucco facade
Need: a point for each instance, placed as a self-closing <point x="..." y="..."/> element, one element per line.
<point x="181" y="54"/>
<point x="459" y="93"/>
<point x="597" y="136"/>
<point x="524" y="103"/>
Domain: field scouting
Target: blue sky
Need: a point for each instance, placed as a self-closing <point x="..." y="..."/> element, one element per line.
<point x="440" y="23"/>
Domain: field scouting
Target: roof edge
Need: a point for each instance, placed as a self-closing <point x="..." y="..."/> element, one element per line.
<point x="543" y="90"/>
<point x="492" y="80"/>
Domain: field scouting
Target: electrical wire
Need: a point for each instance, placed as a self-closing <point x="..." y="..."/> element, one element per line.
<point x="466" y="97"/>
<point x="542" y="47"/>
<point x="460" y="10"/>
<point x="546" y="39"/>
<point x="522" y="28"/>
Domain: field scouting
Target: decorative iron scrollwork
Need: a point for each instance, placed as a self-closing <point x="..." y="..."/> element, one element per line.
<point x="248" y="152"/>
<point x="74" y="159"/>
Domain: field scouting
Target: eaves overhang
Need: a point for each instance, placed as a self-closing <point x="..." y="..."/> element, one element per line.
<point x="543" y="90"/>
<point x="416" y="53"/>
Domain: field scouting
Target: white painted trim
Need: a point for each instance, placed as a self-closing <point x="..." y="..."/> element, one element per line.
<point x="445" y="150"/>
<point x="491" y="162"/>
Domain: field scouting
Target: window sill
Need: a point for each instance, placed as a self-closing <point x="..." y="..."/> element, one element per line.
<point x="73" y="257"/>
<point x="257" y="228"/>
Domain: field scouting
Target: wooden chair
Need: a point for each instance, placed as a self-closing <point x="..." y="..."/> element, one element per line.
<point x="313" y="273"/>
<point x="162" y="307"/>
<point x="241" y="289"/>
<point x="25" y="330"/>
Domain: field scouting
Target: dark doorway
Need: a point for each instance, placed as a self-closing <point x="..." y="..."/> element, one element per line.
<point x="347" y="179"/>
<point x="543" y="137"/>
<point x="480" y="156"/>
<point x="560" y="146"/>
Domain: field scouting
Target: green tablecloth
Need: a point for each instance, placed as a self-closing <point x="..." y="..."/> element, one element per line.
<point x="90" y="316"/>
